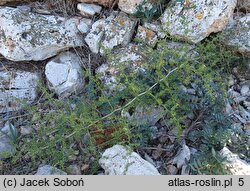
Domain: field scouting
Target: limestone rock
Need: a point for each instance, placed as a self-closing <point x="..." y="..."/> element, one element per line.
<point x="118" y="32"/>
<point x="118" y="160"/>
<point x="64" y="75"/>
<point x="88" y="10"/>
<point x="130" y="6"/>
<point x="237" y="34"/>
<point x="147" y="36"/>
<point x="194" y="20"/>
<point x="84" y="25"/>
<point x="111" y="32"/>
<point x="29" y="36"/>
<point x="156" y="27"/>
<point x="236" y="165"/>
<point x="105" y="3"/>
<point x="95" y="35"/>
<point x="17" y="87"/>
<point x="49" y="170"/>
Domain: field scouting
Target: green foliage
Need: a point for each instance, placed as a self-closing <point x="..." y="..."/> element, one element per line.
<point x="147" y="13"/>
<point x="209" y="163"/>
<point x="80" y="127"/>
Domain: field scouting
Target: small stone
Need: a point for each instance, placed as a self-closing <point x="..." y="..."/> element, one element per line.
<point x="105" y="3"/>
<point x="95" y="35"/>
<point x="49" y="170"/>
<point x="118" y="160"/>
<point x="229" y="109"/>
<point x="246" y="103"/>
<point x="182" y="156"/>
<point x="85" y="167"/>
<point x="233" y="94"/>
<point x="26" y="130"/>
<point x="163" y="139"/>
<point x="74" y="169"/>
<point x="24" y="8"/>
<point x="239" y="99"/>
<point x="230" y="81"/>
<point x="17" y="88"/>
<point x="118" y="32"/>
<point x="244" y="90"/>
<point x="146" y="36"/>
<point x="156" y="27"/>
<point x="88" y="10"/>
<point x="171" y="170"/>
<point x="84" y="25"/>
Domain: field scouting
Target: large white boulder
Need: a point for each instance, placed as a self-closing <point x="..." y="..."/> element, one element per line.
<point x="17" y="87"/>
<point x="28" y="36"/>
<point x="64" y="74"/>
<point x="118" y="160"/>
<point x="194" y="20"/>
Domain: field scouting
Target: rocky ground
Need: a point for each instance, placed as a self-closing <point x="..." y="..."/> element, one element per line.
<point x="47" y="44"/>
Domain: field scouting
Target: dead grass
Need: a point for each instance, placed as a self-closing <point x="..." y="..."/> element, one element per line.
<point x="62" y="7"/>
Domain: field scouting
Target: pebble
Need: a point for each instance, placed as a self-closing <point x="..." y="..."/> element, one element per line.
<point x="171" y="170"/>
<point x="74" y="169"/>
<point x="89" y="10"/>
<point x="244" y="90"/>
<point x="25" y="130"/>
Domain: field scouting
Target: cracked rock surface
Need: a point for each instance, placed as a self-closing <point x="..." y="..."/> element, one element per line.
<point x="118" y="160"/>
<point x="64" y="75"/>
<point x="26" y="36"/>
<point x="195" y="20"/>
